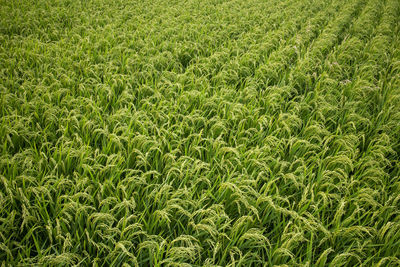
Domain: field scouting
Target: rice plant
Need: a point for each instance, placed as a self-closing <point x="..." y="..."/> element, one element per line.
<point x="200" y="133"/>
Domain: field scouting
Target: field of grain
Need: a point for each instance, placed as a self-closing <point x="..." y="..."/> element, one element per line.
<point x="200" y="133"/>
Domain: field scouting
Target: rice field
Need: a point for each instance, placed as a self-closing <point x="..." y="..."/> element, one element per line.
<point x="200" y="133"/>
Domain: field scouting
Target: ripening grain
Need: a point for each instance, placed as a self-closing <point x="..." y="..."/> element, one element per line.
<point x="200" y="133"/>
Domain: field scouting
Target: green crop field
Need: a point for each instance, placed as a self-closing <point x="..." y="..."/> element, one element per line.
<point x="200" y="133"/>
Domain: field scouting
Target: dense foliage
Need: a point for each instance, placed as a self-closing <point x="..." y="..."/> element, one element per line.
<point x="200" y="133"/>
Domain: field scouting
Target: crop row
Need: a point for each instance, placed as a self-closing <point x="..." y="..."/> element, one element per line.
<point x="208" y="133"/>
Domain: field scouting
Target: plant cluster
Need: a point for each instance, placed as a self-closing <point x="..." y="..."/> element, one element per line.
<point x="200" y="133"/>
